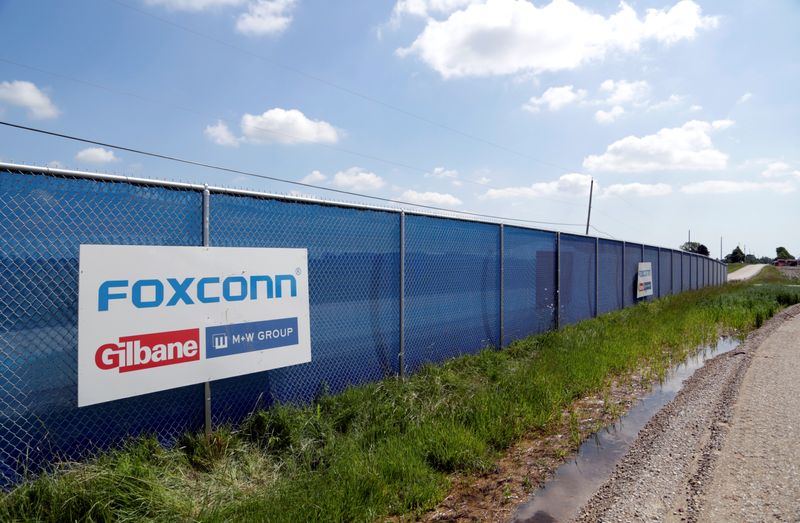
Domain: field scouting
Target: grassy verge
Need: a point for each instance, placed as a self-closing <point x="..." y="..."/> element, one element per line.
<point x="387" y="448"/>
<point x="771" y="275"/>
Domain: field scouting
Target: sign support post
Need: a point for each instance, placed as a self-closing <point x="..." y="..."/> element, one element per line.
<point x="206" y="243"/>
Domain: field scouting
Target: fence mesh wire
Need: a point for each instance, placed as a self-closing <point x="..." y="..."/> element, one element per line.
<point x="609" y="282"/>
<point x="44" y="220"/>
<point x="577" y="269"/>
<point x="452" y="298"/>
<point x="452" y="288"/>
<point x="529" y="261"/>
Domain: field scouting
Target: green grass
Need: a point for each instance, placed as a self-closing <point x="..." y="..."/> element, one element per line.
<point x="771" y="275"/>
<point x="388" y="448"/>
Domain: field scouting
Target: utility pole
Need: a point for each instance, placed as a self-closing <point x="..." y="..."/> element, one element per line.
<point x="589" y="216"/>
<point x="690" y="236"/>
<point x="720" y="248"/>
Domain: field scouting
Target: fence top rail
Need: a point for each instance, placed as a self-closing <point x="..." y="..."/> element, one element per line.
<point x="70" y="173"/>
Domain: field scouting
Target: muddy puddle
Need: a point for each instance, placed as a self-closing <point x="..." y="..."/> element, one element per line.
<point x="574" y="482"/>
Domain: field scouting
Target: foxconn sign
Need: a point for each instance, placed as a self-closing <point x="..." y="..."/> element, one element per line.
<point x="153" y="318"/>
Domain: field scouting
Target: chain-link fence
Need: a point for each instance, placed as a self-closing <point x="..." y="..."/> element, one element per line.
<point x="390" y="291"/>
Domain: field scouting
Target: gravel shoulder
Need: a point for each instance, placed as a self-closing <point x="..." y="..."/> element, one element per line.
<point x="673" y="471"/>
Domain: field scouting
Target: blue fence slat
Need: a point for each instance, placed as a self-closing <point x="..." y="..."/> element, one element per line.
<point x="633" y="255"/>
<point x="610" y="276"/>
<point x="677" y="271"/>
<point x="664" y="273"/>
<point x="44" y="220"/>
<point x="354" y="282"/>
<point x="530" y="282"/>
<point x="452" y="288"/>
<point x="651" y="255"/>
<point x="577" y="269"/>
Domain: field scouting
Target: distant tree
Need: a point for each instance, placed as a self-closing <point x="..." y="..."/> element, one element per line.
<point x="750" y="258"/>
<point x="783" y="254"/>
<point x="736" y="256"/>
<point x="765" y="259"/>
<point x="695" y="247"/>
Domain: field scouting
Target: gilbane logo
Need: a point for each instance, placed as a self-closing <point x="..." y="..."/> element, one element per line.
<point x="145" y="351"/>
<point x="150" y="293"/>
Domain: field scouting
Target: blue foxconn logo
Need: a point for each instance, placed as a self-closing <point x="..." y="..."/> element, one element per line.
<point x="149" y="293"/>
<point x="225" y="340"/>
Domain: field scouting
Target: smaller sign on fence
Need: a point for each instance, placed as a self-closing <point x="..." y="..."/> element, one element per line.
<point x="152" y="318"/>
<point x="644" y="284"/>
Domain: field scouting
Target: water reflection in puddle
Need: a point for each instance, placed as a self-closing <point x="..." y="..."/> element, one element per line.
<point x="575" y="481"/>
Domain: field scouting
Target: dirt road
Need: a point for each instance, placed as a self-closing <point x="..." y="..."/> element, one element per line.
<point x="746" y="272"/>
<point x="757" y="475"/>
<point x="715" y="454"/>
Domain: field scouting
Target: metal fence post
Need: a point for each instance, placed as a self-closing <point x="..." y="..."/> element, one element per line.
<point x="502" y="282"/>
<point x="401" y="357"/>
<point x="596" y="277"/>
<point x="622" y="279"/>
<point x="206" y="243"/>
<point x="658" y="254"/>
<point x="671" y="272"/>
<point x="558" y="280"/>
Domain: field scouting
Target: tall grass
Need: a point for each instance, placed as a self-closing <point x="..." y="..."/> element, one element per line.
<point x="388" y="448"/>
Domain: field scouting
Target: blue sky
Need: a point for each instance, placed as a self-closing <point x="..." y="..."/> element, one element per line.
<point x="684" y="112"/>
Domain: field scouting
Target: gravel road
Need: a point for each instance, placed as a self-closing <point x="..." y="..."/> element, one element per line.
<point x="706" y="457"/>
<point x="746" y="272"/>
<point x="757" y="475"/>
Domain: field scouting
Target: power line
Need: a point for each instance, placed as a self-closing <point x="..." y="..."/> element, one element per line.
<point x="338" y="87"/>
<point x="603" y="232"/>
<point x="266" y="177"/>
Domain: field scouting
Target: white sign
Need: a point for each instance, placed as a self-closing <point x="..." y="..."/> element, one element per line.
<point x="644" y="284"/>
<point x="153" y="318"/>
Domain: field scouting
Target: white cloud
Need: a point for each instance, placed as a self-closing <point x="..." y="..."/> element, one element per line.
<point x="426" y="8"/>
<point x="685" y="148"/>
<point x="286" y="127"/>
<point x="779" y="170"/>
<point x="731" y="187"/>
<point x="695" y="108"/>
<point x="669" y="103"/>
<point x="314" y="178"/>
<point x="27" y="95"/>
<point x="357" y="179"/>
<point x="568" y="184"/>
<point x="483" y="180"/>
<point x="722" y="124"/>
<point x="221" y="135"/>
<point x="602" y="116"/>
<point x="637" y="189"/>
<point x="264" y="17"/>
<point x="502" y="37"/>
<point x="744" y="98"/>
<point x="96" y="155"/>
<point x="194" y="5"/>
<point x="555" y="98"/>
<point x="430" y="198"/>
<point x="441" y="172"/>
<point x="625" y="92"/>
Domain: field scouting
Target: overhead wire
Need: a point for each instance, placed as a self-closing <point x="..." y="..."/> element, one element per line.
<point x="272" y="178"/>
